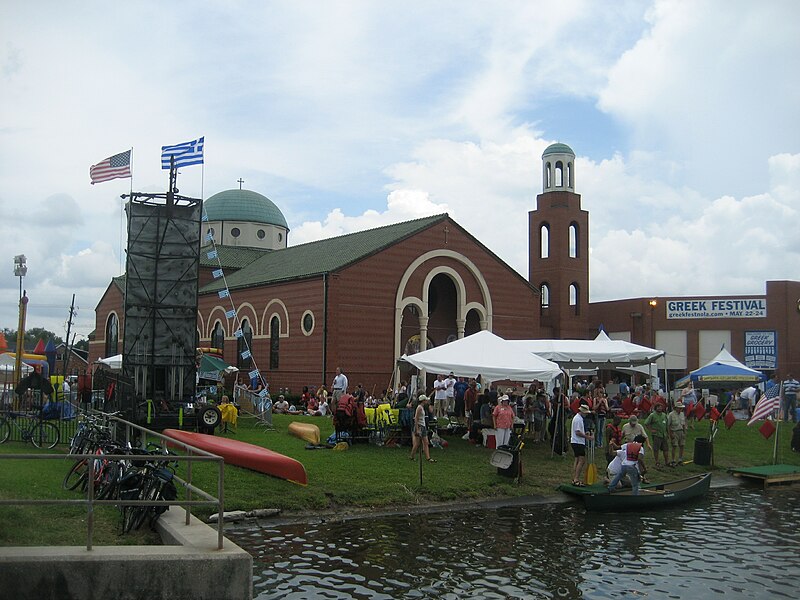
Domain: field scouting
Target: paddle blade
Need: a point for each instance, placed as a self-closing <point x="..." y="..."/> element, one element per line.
<point x="591" y="475"/>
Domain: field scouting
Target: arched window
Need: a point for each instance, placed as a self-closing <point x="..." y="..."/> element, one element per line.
<point x="218" y="338"/>
<point x="573" y="240"/>
<point x="245" y="343"/>
<point x="574" y="300"/>
<point x="559" y="174"/>
<point x="544" y="241"/>
<point x="548" y="176"/>
<point x="274" y="342"/>
<point x="570" y="183"/>
<point x="112" y="336"/>
<point x="545" y="290"/>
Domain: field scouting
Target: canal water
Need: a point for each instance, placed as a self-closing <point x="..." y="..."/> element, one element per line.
<point x="734" y="543"/>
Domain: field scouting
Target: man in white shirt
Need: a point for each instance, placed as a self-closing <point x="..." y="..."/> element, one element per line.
<point x="450" y="393"/>
<point x="439" y="396"/>
<point x="338" y="387"/>
<point x="632" y="462"/>
<point x="578" y="439"/>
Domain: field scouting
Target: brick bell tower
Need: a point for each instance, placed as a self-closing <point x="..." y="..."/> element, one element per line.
<point x="558" y="233"/>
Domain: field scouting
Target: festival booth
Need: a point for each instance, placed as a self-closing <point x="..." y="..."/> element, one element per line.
<point x="487" y="355"/>
<point x="599" y="353"/>
<point x="723" y="371"/>
<point x="7" y="366"/>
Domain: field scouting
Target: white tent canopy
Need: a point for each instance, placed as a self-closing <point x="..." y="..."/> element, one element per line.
<point x="601" y="352"/>
<point x="112" y="362"/>
<point x="8" y="363"/>
<point x="488" y="355"/>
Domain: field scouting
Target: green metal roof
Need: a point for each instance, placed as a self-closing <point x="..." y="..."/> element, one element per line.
<point x="557" y="148"/>
<point x="243" y="205"/>
<point x="231" y="257"/>
<point x="323" y="256"/>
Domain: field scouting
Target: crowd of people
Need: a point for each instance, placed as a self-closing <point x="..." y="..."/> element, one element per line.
<point x="587" y="416"/>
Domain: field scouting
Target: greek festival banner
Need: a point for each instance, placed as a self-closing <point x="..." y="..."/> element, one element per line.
<point x="717" y="308"/>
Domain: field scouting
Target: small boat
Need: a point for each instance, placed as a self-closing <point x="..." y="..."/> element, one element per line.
<point x="305" y="431"/>
<point x="244" y="455"/>
<point x="653" y="495"/>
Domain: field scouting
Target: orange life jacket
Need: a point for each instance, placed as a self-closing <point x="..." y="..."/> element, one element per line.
<point x="632" y="451"/>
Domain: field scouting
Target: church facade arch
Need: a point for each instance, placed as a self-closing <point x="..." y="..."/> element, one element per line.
<point x="415" y="293"/>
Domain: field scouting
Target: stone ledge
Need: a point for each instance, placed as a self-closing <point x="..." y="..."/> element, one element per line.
<point x="189" y="566"/>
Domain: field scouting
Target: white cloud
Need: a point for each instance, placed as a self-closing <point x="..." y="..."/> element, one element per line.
<point x="357" y="114"/>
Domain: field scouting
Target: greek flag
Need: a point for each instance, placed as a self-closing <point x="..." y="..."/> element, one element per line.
<point x="231" y="313"/>
<point x="224" y="293"/>
<point x="185" y="154"/>
<point x="204" y="218"/>
<point x="217" y="273"/>
<point x="212" y="255"/>
<point x="238" y="333"/>
<point x="246" y="354"/>
<point x="209" y="236"/>
<point x="253" y="374"/>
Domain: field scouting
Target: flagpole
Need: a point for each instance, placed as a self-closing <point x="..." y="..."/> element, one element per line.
<point x="122" y="217"/>
<point x="777" y="426"/>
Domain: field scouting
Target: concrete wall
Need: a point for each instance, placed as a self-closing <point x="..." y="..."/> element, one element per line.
<point x="189" y="568"/>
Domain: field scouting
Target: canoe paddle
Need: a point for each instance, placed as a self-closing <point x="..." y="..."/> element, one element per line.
<point x="591" y="471"/>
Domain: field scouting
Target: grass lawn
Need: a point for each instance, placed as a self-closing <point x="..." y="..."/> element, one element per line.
<point x="363" y="477"/>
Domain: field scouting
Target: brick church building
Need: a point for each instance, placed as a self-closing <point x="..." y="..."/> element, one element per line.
<point x="362" y="300"/>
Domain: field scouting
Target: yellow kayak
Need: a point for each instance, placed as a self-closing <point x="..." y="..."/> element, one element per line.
<point x="305" y="431"/>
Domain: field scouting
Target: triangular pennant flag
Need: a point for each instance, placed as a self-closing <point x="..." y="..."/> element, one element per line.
<point x="39" y="347"/>
<point x="767" y="429"/>
<point x="699" y="412"/>
<point x="729" y="419"/>
<point x="714" y="416"/>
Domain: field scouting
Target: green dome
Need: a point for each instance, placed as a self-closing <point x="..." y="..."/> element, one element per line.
<point x="558" y="149"/>
<point x="244" y="205"/>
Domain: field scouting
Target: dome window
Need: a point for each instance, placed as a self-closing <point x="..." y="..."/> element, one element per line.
<point x="235" y="232"/>
<point x="261" y="233"/>
<point x="280" y="237"/>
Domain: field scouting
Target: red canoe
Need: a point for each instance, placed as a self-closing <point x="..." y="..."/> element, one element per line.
<point x="244" y="455"/>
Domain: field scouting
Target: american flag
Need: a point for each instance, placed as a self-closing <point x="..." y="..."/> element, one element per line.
<point x="770" y="400"/>
<point x="114" y="167"/>
<point x="187" y="153"/>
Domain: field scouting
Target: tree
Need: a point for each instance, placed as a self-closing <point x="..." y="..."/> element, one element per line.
<point x="82" y="345"/>
<point x="32" y="337"/>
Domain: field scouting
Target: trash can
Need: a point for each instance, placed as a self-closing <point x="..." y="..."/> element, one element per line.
<point x="702" y="452"/>
<point x="506" y="459"/>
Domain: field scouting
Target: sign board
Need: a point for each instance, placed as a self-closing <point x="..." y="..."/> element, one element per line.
<point x="717" y="308"/>
<point x="761" y="350"/>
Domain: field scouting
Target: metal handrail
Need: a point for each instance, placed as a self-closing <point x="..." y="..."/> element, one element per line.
<point x="194" y="455"/>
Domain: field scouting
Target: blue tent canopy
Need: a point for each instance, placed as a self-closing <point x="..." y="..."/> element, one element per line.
<point x="723" y="370"/>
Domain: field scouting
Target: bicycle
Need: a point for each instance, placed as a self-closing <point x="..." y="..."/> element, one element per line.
<point x="40" y="433"/>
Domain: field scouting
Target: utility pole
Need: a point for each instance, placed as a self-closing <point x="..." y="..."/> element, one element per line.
<point x="68" y="347"/>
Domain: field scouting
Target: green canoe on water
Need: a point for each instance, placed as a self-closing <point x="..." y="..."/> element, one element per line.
<point x="654" y="495"/>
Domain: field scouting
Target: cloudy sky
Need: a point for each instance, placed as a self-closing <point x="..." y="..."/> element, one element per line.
<point x="353" y="114"/>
